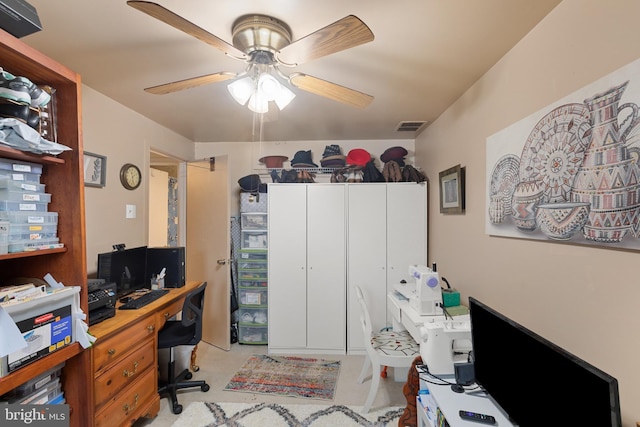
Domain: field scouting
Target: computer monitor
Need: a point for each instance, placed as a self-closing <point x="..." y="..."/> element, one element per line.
<point x="125" y="268"/>
<point x="536" y="382"/>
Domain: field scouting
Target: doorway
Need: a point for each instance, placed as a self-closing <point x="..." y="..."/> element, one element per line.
<point x="202" y="227"/>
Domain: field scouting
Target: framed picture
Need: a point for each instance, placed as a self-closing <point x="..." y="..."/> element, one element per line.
<point x="95" y="170"/>
<point x="452" y="190"/>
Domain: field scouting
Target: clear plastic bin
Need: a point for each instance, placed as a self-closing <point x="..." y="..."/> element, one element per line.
<point x="252" y="316"/>
<point x="253" y="221"/>
<point x="253" y="239"/>
<point x="253" y="283"/>
<point x="252" y="254"/>
<point x="253" y="275"/>
<point x="21" y="185"/>
<point x="253" y="296"/>
<point x="253" y="334"/>
<point x="14" y="206"/>
<point x="34" y="245"/>
<point x="29" y="217"/>
<point x="32" y="231"/>
<point x="20" y="176"/>
<point x="4" y="237"/>
<point x="24" y="196"/>
<point x="19" y="166"/>
<point x="252" y="265"/>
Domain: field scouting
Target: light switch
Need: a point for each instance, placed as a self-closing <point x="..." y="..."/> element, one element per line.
<point x="130" y="211"/>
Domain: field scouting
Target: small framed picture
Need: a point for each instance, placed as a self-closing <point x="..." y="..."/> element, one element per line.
<point x="95" y="170"/>
<point x="452" y="190"/>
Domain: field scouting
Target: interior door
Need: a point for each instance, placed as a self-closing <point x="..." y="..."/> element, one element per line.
<point x="208" y="245"/>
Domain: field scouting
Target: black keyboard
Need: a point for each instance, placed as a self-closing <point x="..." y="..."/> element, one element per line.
<point x="144" y="299"/>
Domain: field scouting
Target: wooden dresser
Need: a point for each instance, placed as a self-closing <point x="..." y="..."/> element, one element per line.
<point x="124" y="361"/>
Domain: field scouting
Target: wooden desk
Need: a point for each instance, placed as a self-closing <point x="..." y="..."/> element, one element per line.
<point x="124" y="360"/>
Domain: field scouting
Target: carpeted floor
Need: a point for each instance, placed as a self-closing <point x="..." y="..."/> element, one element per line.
<point x="287" y="376"/>
<point x="201" y="414"/>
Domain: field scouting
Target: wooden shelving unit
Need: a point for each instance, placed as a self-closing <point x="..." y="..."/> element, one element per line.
<point x="63" y="177"/>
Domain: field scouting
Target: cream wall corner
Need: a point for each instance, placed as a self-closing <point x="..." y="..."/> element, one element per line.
<point x="582" y="298"/>
<point x="123" y="136"/>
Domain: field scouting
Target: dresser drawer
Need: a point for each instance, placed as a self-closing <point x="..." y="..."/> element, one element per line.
<point x="125" y="372"/>
<point x="115" y="347"/>
<point x="130" y="404"/>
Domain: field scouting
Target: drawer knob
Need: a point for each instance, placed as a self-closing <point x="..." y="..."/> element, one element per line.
<point x="111" y="351"/>
<point x="126" y="408"/>
<point x="166" y="315"/>
<point x="150" y="328"/>
<point x="126" y="373"/>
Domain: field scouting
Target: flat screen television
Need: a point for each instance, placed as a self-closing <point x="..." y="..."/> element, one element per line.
<point x="536" y="382"/>
<point x="125" y="268"/>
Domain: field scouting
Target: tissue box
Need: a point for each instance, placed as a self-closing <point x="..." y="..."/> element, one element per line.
<point x="450" y="297"/>
<point x="46" y="323"/>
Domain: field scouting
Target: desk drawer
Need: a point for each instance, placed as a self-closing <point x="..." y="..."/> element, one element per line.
<point x="168" y="312"/>
<point x="125" y="407"/>
<point x="124" y="372"/>
<point x="114" y="348"/>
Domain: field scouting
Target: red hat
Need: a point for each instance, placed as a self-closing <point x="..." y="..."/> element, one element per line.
<point x="358" y="157"/>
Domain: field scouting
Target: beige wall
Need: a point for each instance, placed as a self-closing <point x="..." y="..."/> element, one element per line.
<point x="583" y="298"/>
<point x="124" y="136"/>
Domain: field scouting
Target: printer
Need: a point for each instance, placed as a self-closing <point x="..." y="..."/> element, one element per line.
<point x="102" y="300"/>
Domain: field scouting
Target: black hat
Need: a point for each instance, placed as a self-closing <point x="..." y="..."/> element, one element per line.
<point x="250" y="183"/>
<point x="302" y="159"/>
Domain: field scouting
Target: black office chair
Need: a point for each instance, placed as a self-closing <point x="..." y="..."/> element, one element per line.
<point x="187" y="331"/>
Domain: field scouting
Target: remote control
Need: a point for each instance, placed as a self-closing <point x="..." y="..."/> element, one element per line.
<point x="480" y="418"/>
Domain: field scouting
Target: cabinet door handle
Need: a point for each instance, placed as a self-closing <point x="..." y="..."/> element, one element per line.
<point x="127" y="373"/>
<point x="126" y="408"/>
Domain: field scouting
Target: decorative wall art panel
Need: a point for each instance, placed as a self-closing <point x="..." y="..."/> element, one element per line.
<point x="571" y="171"/>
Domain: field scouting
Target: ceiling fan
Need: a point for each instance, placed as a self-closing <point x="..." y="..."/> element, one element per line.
<point x="264" y="42"/>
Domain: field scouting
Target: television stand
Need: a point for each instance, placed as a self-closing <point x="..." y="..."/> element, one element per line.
<point x="450" y="402"/>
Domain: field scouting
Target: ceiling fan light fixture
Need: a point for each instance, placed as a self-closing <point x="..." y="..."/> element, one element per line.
<point x="284" y="97"/>
<point x="241" y="89"/>
<point x="268" y="86"/>
<point x="258" y="104"/>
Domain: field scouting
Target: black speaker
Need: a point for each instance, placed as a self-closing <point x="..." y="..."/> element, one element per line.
<point x="465" y="374"/>
<point x="170" y="258"/>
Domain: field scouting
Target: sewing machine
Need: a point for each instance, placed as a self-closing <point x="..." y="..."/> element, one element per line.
<point x="427" y="298"/>
<point x="443" y="344"/>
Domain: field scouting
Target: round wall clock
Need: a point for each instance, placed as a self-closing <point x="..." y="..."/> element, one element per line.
<point x="130" y="176"/>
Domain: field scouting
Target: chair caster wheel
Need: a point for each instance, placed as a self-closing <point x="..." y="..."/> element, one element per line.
<point x="177" y="409"/>
<point x="188" y="376"/>
<point x="205" y="387"/>
<point x="195" y="368"/>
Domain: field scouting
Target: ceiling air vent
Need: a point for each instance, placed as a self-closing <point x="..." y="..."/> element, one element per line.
<point x="411" y="126"/>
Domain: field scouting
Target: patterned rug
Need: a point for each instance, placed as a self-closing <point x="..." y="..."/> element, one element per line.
<point x="287" y="376"/>
<point x="200" y="414"/>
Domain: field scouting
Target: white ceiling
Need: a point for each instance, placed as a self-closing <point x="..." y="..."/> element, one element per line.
<point x="425" y="55"/>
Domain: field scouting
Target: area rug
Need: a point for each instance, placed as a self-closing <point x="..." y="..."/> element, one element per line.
<point x="287" y="376"/>
<point x="200" y="414"/>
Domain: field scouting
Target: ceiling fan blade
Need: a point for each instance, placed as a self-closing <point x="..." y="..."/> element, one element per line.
<point x="343" y="34"/>
<point x="190" y="83"/>
<point x="168" y="17"/>
<point x="330" y="90"/>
